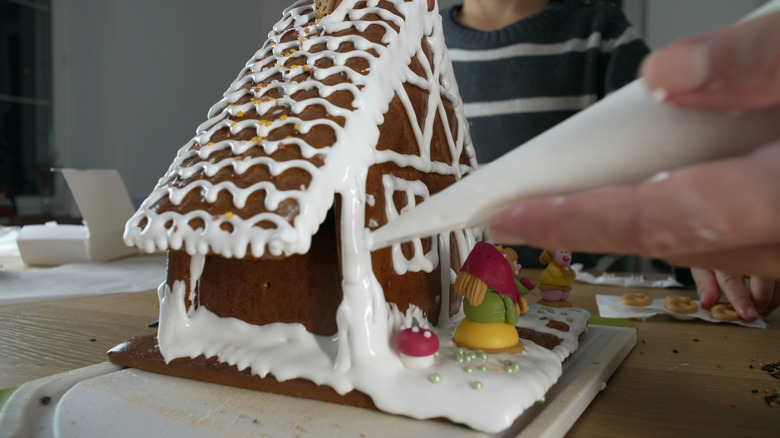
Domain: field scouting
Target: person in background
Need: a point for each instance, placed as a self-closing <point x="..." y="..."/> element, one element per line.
<point x="523" y="66"/>
<point x="737" y="200"/>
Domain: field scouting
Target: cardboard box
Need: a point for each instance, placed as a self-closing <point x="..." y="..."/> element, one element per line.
<point x="104" y="204"/>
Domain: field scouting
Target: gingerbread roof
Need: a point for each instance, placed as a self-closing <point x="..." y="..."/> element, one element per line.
<point x="297" y="125"/>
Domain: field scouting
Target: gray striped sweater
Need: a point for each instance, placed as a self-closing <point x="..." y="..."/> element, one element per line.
<point x="520" y="80"/>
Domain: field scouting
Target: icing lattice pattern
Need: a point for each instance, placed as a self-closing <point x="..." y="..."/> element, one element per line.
<point x="263" y="170"/>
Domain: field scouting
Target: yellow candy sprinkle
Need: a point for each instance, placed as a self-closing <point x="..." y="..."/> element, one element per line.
<point x="305" y="68"/>
<point x="230" y="215"/>
<point x="211" y="143"/>
<point x="255" y="138"/>
<point x="240" y="114"/>
<point x="297" y="126"/>
<point x="283" y="117"/>
<point x="233" y="124"/>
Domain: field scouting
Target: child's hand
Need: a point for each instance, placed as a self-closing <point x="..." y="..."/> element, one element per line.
<point x="760" y="297"/>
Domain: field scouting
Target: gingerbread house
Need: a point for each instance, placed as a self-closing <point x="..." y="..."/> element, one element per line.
<point x="332" y="128"/>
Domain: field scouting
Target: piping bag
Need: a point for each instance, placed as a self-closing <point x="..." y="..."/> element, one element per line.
<point x="625" y="138"/>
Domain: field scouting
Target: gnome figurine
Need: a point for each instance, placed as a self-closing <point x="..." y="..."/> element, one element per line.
<point x="493" y="299"/>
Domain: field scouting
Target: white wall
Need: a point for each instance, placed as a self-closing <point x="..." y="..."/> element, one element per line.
<point x="667" y="21"/>
<point x="134" y="78"/>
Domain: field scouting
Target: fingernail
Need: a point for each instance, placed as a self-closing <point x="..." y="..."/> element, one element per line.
<point x="678" y="68"/>
<point x="751" y="314"/>
<point x="696" y="61"/>
<point x="658" y="95"/>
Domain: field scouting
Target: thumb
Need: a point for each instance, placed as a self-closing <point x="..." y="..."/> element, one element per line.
<point x="733" y="68"/>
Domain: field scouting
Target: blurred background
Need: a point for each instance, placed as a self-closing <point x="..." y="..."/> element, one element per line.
<point x="123" y="84"/>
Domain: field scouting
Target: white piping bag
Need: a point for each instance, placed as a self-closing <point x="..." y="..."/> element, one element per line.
<point x="625" y="138"/>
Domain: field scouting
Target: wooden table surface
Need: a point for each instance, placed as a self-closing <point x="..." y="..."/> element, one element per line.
<point x="682" y="379"/>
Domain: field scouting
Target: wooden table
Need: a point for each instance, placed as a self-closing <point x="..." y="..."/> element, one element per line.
<point x="682" y="379"/>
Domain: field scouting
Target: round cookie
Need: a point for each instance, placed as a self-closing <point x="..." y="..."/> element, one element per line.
<point x="724" y="312"/>
<point x="681" y="304"/>
<point x="635" y="299"/>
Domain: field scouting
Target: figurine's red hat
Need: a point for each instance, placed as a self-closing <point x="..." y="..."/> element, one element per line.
<point x="489" y="265"/>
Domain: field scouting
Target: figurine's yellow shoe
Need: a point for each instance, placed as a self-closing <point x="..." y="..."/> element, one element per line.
<point x="490" y="337"/>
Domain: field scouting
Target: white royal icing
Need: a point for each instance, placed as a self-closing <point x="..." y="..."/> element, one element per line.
<point x="362" y="354"/>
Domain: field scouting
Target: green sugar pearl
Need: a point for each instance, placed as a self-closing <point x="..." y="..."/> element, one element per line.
<point x="435" y="378"/>
<point x="510" y="366"/>
<point x="476" y="385"/>
<point x="483" y="367"/>
<point x="469" y="369"/>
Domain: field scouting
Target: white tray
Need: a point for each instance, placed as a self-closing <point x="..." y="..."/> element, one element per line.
<point x="107" y="400"/>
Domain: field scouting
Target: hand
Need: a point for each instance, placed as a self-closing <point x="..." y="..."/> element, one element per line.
<point x="760" y="297"/>
<point x="721" y="214"/>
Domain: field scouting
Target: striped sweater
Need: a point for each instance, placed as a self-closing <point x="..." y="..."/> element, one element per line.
<point x="518" y="81"/>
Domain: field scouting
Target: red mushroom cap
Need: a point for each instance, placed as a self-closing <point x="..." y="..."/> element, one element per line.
<point x="417" y="342"/>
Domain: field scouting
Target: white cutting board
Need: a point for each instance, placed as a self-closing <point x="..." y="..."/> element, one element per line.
<point x="106" y="400"/>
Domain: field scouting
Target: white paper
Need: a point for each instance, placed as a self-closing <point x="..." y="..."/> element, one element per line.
<point x="610" y="307"/>
<point x="105" y="206"/>
<point x="132" y="274"/>
<point x="624" y="280"/>
<point x="8" y="247"/>
<point x="102" y="198"/>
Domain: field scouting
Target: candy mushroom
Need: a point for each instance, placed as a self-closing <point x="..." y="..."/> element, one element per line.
<point x="417" y="346"/>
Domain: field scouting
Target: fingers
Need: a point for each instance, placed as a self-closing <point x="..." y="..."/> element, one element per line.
<point x="736" y="291"/>
<point x="774" y="303"/>
<point x="760" y="297"/>
<point x="733" y="68"/>
<point x="707" y="286"/>
<point x="762" y="292"/>
<point x="708" y="208"/>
